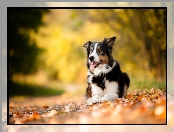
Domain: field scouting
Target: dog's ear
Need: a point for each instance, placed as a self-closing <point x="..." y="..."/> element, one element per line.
<point x="110" y="41"/>
<point x="87" y="45"/>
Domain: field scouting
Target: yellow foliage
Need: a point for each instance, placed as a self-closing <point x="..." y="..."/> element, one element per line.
<point x="65" y="32"/>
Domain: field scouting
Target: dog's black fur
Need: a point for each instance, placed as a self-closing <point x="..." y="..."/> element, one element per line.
<point x="105" y="70"/>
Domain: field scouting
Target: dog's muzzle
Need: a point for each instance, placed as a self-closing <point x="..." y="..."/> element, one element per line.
<point x="93" y="64"/>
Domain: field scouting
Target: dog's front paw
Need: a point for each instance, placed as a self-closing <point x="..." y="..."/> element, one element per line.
<point x="103" y="99"/>
<point x="90" y="101"/>
<point x="94" y="99"/>
<point x="108" y="97"/>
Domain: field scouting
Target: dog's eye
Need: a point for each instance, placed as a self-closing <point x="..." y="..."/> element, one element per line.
<point x="101" y="51"/>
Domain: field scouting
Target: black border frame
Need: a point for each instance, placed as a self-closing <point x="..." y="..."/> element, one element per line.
<point x="81" y="8"/>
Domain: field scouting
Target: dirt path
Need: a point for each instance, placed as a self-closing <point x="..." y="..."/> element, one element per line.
<point x="140" y="107"/>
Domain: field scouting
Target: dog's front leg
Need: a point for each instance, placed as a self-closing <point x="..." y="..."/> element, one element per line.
<point x="94" y="99"/>
<point x="97" y="94"/>
<point x="110" y="91"/>
<point x="108" y="97"/>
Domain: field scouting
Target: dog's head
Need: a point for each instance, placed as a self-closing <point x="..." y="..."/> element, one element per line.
<point x="99" y="53"/>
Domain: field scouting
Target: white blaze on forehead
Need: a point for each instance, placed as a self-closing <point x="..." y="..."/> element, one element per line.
<point x="94" y="53"/>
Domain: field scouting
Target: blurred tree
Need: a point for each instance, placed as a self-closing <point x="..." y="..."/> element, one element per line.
<point x="151" y="30"/>
<point x="142" y="33"/>
<point x="23" y="53"/>
<point x="140" y="45"/>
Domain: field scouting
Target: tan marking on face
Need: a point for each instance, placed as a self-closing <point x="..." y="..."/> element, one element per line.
<point x="104" y="58"/>
<point x="98" y="47"/>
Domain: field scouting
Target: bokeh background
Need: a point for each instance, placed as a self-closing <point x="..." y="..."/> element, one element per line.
<point x="85" y="128"/>
<point x="46" y="54"/>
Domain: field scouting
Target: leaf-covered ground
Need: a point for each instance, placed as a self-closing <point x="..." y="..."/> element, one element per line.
<point x="139" y="107"/>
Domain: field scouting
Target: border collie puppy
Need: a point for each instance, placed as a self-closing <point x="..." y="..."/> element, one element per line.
<point x="105" y="79"/>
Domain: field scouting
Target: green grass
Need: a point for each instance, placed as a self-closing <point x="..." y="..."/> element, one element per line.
<point x="17" y="89"/>
<point x="147" y="84"/>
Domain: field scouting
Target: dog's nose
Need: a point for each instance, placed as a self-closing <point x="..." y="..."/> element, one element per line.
<point x="91" y="58"/>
